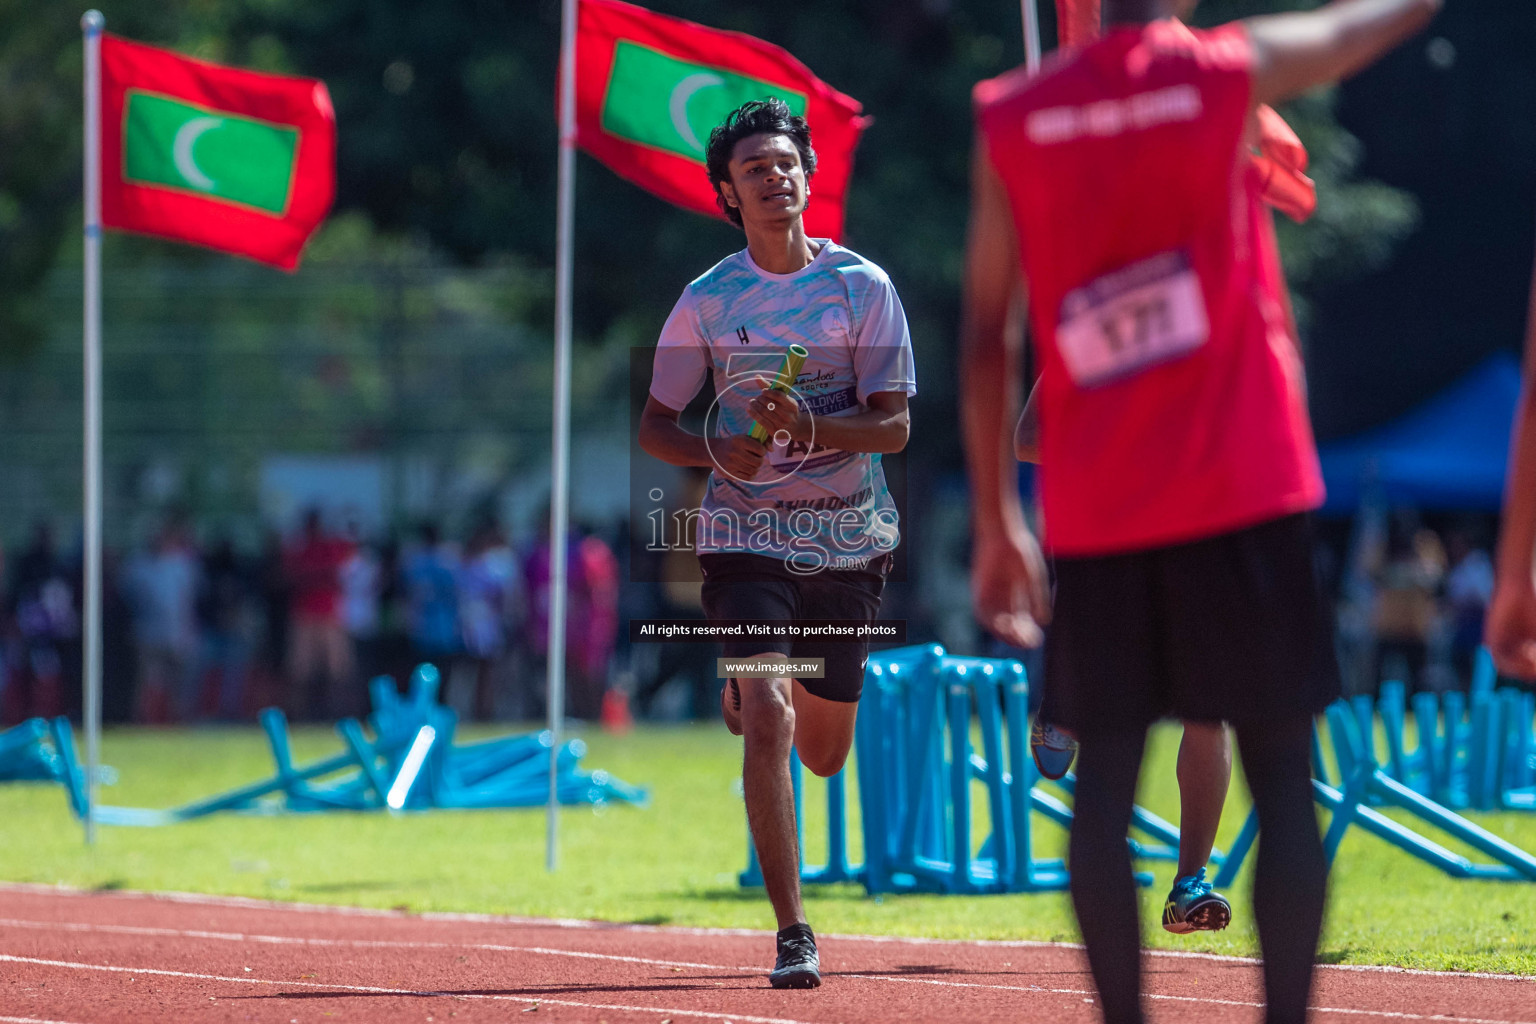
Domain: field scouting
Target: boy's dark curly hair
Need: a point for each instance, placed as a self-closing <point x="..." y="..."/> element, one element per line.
<point x="757" y="117"/>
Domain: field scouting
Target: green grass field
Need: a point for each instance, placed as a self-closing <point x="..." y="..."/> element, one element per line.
<point x="676" y="861"/>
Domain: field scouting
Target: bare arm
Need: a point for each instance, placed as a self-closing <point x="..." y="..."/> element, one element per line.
<point x="664" y="438"/>
<point x="1517" y="541"/>
<point x="1518" y="538"/>
<point x="989" y="354"/>
<point x="1511" y="625"/>
<point x="882" y="427"/>
<point x="1295" y="52"/>
<point x="1008" y="576"/>
<point x="661" y="435"/>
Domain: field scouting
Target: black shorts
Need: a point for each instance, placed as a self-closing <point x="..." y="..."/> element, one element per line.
<point x="1230" y="628"/>
<point x="739" y="585"/>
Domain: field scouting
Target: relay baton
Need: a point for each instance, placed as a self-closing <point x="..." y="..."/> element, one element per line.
<point x="794" y="359"/>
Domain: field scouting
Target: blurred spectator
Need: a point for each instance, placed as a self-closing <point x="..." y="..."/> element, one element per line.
<point x="592" y="617"/>
<point x="42" y="607"/>
<point x="272" y="580"/>
<point x="675" y="568"/>
<point x="361" y="588"/>
<point x="119" y="670"/>
<point x="430" y="575"/>
<point x="595" y="615"/>
<point x="223" y="609"/>
<point x="1468" y="589"/>
<point x="318" y="641"/>
<point x="394" y="643"/>
<point x="1405" y="612"/>
<point x="488" y="591"/>
<point x="161" y="585"/>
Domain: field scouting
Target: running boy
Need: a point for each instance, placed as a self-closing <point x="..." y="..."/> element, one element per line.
<point x="800" y="528"/>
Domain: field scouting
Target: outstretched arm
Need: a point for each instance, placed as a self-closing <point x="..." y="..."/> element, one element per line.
<point x="1296" y="51"/>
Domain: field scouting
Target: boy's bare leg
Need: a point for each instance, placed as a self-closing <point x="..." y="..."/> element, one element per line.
<point x="768" y="731"/>
<point x="1205" y="771"/>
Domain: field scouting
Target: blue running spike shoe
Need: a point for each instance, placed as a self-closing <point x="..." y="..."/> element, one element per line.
<point x="1193" y="906"/>
<point x="1053" y="750"/>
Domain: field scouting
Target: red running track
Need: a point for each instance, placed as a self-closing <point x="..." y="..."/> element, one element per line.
<point x="106" y="958"/>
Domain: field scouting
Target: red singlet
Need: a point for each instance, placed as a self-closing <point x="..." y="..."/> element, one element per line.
<point x="1171" y="398"/>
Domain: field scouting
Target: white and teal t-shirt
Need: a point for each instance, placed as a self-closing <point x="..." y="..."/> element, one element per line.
<point x="819" y="507"/>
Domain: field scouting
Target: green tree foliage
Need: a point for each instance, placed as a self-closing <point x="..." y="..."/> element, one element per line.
<point x="39" y="160"/>
<point x="447" y="136"/>
<point x="41" y="113"/>
<point x="447" y="131"/>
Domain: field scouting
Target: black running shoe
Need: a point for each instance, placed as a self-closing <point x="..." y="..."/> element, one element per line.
<point x="798" y="966"/>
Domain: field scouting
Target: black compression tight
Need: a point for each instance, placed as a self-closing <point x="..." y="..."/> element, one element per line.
<point x="1289" y="881"/>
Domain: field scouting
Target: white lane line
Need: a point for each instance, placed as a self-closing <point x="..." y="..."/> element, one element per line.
<point x="376" y="990"/>
<point x="29" y="1020"/>
<point x="587" y="955"/>
<point x="287" y="940"/>
<point x="1388" y="1014"/>
<point x="249" y="903"/>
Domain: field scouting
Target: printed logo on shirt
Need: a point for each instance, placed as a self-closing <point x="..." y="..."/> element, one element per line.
<point x="1106" y="118"/>
<point x="742" y="336"/>
<point x="834" y="321"/>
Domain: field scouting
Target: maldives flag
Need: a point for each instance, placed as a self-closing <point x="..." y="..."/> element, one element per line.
<point x="650" y="87"/>
<point x="240" y="161"/>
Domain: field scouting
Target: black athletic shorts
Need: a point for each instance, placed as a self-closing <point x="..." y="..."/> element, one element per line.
<point x="739" y="585"/>
<point x="1230" y="628"/>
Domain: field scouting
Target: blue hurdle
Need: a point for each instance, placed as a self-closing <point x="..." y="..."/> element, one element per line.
<point x="1364" y="782"/>
<point x="411" y="763"/>
<point x="26" y="755"/>
<point x="917" y="762"/>
<point x="1475" y="751"/>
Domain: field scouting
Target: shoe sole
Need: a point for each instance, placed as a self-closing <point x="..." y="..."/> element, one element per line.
<point x="795" y="979"/>
<point x="1039" y="767"/>
<point x="1208" y="917"/>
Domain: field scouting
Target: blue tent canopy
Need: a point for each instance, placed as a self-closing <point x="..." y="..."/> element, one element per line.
<point x="1449" y="453"/>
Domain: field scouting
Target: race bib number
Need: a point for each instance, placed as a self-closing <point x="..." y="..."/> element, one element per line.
<point x="796" y="455"/>
<point x="1145" y="313"/>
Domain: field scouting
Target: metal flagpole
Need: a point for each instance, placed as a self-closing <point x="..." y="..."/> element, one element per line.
<point x="91" y="24"/>
<point x="561" y="459"/>
<point x="1031" y="34"/>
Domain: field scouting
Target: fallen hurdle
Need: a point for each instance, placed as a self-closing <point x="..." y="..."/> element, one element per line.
<point x="27" y="754"/>
<point x="410" y="763"/>
<point x="1364" y="783"/>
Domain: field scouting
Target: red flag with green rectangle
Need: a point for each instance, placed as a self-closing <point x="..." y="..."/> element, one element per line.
<point x="239" y="161"/>
<point x="650" y="87"/>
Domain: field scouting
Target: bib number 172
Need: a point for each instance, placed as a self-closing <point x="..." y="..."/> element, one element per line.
<point x="1142" y="314"/>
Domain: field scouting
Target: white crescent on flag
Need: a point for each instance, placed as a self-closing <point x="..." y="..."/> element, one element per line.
<point x="181" y="151"/>
<point x="677" y="103"/>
